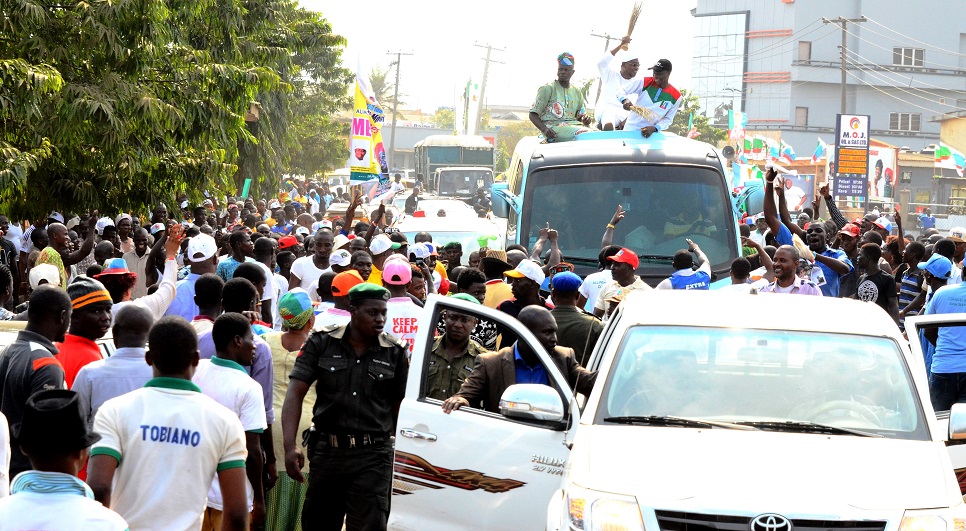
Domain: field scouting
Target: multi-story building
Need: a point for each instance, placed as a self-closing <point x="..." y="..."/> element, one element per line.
<point x="780" y="63"/>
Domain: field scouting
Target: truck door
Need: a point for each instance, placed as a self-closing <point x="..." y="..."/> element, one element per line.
<point x="472" y="469"/>
<point x="922" y="353"/>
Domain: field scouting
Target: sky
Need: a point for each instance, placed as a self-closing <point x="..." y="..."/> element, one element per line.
<point x="441" y="36"/>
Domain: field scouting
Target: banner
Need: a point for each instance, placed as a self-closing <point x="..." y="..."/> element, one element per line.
<point x="949" y="158"/>
<point x="799" y="191"/>
<point x="367" y="155"/>
<point x="882" y="172"/>
<point x="736" y="124"/>
<point x="820" y="151"/>
<point x="787" y="155"/>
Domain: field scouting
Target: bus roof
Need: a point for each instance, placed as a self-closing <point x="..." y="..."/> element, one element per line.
<point x="472" y="141"/>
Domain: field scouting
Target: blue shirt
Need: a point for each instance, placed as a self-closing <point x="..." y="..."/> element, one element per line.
<point x="950" y="355"/>
<point x="784" y="236"/>
<point x="184" y="298"/>
<point x="226" y="268"/>
<point x="831" y="286"/>
<point x="927" y="222"/>
<point x="527" y="374"/>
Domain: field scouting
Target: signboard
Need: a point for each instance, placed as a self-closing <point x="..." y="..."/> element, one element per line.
<point x="852" y="156"/>
<point x="882" y="172"/>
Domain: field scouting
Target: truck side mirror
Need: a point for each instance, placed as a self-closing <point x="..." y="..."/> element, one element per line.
<point x="532" y="402"/>
<point x="957" y="422"/>
<point x="500" y="200"/>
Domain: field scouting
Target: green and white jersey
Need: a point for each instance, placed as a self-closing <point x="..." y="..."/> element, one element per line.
<point x="657" y="105"/>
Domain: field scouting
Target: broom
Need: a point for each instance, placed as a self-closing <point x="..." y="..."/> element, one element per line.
<point x="635" y="13"/>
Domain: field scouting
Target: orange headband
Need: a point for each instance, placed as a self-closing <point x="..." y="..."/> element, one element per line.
<point x="90" y="298"/>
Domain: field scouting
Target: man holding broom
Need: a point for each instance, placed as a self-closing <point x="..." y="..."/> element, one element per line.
<point x="657" y="101"/>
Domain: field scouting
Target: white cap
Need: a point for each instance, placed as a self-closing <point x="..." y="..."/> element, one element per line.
<point x="420" y="251"/>
<point x="319" y="225"/>
<point x="101" y="223"/>
<point x="528" y="269"/>
<point x="302" y="230"/>
<point x="340" y="257"/>
<point x="57" y="216"/>
<point x="380" y="244"/>
<point x="624" y="56"/>
<point x="46" y="272"/>
<point x="340" y="240"/>
<point x="201" y="247"/>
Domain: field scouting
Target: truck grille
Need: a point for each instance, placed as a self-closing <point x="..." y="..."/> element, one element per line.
<point x="680" y="521"/>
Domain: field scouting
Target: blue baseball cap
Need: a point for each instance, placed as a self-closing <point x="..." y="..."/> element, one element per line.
<point x="566" y="281"/>
<point x="938" y="265"/>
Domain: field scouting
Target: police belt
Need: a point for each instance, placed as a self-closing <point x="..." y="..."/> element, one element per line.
<point x="351" y="440"/>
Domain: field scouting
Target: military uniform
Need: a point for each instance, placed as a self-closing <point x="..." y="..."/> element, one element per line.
<point x="444" y="377"/>
<point x="350" y="452"/>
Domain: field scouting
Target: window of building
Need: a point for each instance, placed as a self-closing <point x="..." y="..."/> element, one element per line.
<point x="906" y="177"/>
<point x="801" y="116"/>
<point x="904" y="121"/>
<point x="804" y="51"/>
<point x="908" y="56"/>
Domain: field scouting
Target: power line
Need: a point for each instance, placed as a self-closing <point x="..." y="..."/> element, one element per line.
<point x="893" y="96"/>
<point x="910" y="78"/>
<point x="843" y="22"/>
<point x="395" y="104"/>
<point x="870" y="43"/>
<point x="950" y="52"/>
<point x="876" y="76"/>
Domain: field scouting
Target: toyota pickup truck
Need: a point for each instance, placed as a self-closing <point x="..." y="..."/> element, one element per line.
<point x="704" y="417"/>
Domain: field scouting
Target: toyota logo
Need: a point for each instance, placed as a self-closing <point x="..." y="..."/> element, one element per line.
<point x="771" y="522"/>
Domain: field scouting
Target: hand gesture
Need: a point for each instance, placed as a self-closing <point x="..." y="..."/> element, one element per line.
<point x="770" y="174"/>
<point x="92" y="222"/>
<point x="544" y="232"/>
<point x="748" y="242"/>
<point x="173" y="243"/>
<point x="823" y="191"/>
<point x="618" y="216"/>
<point x="380" y="213"/>
<point x="585" y="119"/>
<point x="552" y="235"/>
<point x="691" y="245"/>
<point x="780" y="188"/>
<point x="356" y="199"/>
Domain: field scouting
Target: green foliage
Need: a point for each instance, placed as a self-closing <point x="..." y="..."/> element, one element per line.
<point x="118" y="105"/>
<point x="507" y="142"/>
<point x="444" y="118"/>
<point x="707" y="132"/>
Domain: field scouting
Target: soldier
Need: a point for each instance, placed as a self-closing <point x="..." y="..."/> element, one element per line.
<point x="361" y="373"/>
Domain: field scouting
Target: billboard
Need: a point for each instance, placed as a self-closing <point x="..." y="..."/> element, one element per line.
<point x="852" y="156"/>
<point x="799" y="190"/>
<point x="882" y="172"/>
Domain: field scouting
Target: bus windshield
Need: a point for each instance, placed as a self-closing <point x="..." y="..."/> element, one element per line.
<point x="464" y="182"/>
<point x="663" y="205"/>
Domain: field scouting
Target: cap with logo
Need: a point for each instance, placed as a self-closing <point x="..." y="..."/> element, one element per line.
<point x="156" y="228"/>
<point x="527" y="269"/>
<point x="957" y="234"/>
<point x="626" y="256"/>
<point x="381" y="243"/>
<point x="883" y="223"/>
<point x="201" y="247"/>
<point x="851" y="229"/>
<point x="662" y="65"/>
<point x="340" y="257"/>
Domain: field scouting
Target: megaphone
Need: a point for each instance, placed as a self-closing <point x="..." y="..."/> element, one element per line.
<point x="728" y="152"/>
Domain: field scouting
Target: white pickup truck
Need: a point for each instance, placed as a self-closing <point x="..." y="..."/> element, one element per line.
<point x="711" y="411"/>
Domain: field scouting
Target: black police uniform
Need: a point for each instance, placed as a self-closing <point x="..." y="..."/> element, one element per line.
<point x="350" y="452"/>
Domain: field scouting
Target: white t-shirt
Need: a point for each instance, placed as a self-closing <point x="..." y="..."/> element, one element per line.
<point x="229" y="384"/>
<point x="270" y="293"/>
<point x="334" y="317"/>
<point x="66" y="507"/>
<point x="4" y="458"/>
<point x="304" y="268"/>
<point x="402" y="319"/>
<point x="170" y="440"/>
<point x="282" y="284"/>
<point x="591" y="287"/>
<point x="613" y="289"/>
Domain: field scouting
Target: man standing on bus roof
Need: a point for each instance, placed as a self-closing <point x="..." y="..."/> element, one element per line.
<point x="618" y="70"/>
<point x="558" y="111"/>
<point x="657" y="101"/>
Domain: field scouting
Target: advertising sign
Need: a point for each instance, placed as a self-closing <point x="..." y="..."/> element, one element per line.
<point x="882" y="172"/>
<point x="852" y="156"/>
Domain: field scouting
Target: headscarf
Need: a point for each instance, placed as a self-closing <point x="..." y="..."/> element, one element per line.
<point x="295" y="307"/>
<point x="565" y="59"/>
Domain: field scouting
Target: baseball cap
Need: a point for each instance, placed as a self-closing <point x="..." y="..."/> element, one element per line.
<point x="46" y="272"/>
<point x="201" y="248"/>
<point x="566" y="281"/>
<point x="344" y="281"/>
<point x="851" y="229"/>
<point x="759" y="216"/>
<point x="287" y="241"/>
<point x="884" y="224"/>
<point x="397" y="272"/>
<point x="304" y="231"/>
<point x="420" y="251"/>
<point x="340" y="257"/>
<point x="527" y="269"/>
<point x="626" y="256"/>
<point x="957" y="234"/>
<point x="56" y="216"/>
<point x="380" y="244"/>
<point x="156" y="228"/>
<point x="101" y="224"/>
<point x="661" y="65"/>
<point x="938" y="265"/>
<point x="340" y="240"/>
<point x="324" y="224"/>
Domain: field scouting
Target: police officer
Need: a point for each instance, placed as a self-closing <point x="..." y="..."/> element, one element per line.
<point x="361" y="373"/>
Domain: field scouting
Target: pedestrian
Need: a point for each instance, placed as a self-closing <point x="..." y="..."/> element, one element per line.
<point x="307" y="269"/>
<point x="241" y="252"/>
<point x="265" y="260"/>
<point x="381" y="248"/>
<point x="171" y="437"/>
<point x="935" y="273"/>
<point x="162" y="296"/>
<point x="208" y="293"/>
<point x="403" y="316"/>
<point x="591" y="286"/>
<point x="224" y="379"/>
<point x="56" y="437"/>
<point x="58" y="252"/>
<point x="266" y="300"/>
<point x="125" y="370"/>
<point x="350" y="451"/>
<point x="786" y="281"/>
<point x="874" y="284"/>
<point x="454" y="352"/>
<point x="90" y="321"/>
<point x="137" y="260"/>
<point x="685" y="276"/>
<point x="576" y="329"/>
<point x="624" y="281"/>
<point x="338" y="314"/>
<point x="201" y="255"/>
<point x="525" y="283"/>
<point x="558" y="109"/>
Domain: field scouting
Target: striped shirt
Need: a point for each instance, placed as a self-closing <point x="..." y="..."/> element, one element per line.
<point x="908" y="291"/>
<point x="53" y="500"/>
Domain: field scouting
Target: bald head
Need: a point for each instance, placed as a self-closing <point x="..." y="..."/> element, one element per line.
<point x="540" y="321"/>
<point x="515" y="256"/>
<point x="131" y="326"/>
<point x="103" y="251"/>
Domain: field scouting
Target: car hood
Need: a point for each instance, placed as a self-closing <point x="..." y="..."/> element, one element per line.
<point x="720" y="469"/>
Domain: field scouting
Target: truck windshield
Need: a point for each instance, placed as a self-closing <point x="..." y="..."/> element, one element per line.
<point x="464" y="182"/>
<point x="663" y="205"/>
<point x="775" y="380"/>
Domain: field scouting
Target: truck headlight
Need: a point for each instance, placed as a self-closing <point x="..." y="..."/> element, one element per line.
<point x="590" y="510"/>
<point x="948" y="520"/>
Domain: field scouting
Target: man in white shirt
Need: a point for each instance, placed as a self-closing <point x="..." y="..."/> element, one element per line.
<point x="224" y="379"/>
<point x="162" y="445"/>
<point x="308" y="268"/>
<point x="56" y="437"/>
<point x="592" y="285"/>
<point x="624" y="282"/>
<point x="618" y="73"/>
<point x="123" y="372"/>
<point x="338" y="314"/>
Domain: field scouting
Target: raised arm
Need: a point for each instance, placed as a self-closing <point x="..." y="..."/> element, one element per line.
<point x="769" y="206"/>
<point x="833" y="210"/>
<point x="608" y="238"/>
<point x="902" y="239"/>
<point x="86" y="247"/>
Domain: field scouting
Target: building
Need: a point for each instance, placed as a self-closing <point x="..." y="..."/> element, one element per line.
<point x="777" y="61"/>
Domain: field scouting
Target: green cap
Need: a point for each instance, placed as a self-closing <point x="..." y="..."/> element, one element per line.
<point x="368" y="291"/>
<point x="465" y="297"/>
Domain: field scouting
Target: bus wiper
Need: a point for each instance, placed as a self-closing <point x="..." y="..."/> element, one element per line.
<point x="805" y="427"/>
<point x="580" y="260"/>
<point x="668" y="420"/>
<point x="661" y="257"/>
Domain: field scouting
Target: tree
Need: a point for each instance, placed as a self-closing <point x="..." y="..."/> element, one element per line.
<point x="706" y="132"/>
<point x="507" y="142"/>
<point x="121" y="105"/>
<point x="384" y="90"/>
<point x="444" y="118"/>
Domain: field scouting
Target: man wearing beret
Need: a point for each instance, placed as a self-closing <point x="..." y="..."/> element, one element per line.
<point x="558" y="110"/>
<point x="361" y="376"/>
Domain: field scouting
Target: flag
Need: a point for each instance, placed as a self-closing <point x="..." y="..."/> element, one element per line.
<point x="787" y="153"/>
<point x="367" y="155"/>
<point x="692" y="131"/>
<point x="746" y="172"/>
<point x="758" y="148"/>
<point x="821" y="151"/>
<point x="947" y="157"/>
<point x="736" y="124"/>
<point x="774" y="150"/>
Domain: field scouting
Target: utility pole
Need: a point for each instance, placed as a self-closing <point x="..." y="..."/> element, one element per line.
<point x="395" y="105"/>
<point x="486" y="71"/>
<point x="607" y="38"/>
<point x="843" y="22"/>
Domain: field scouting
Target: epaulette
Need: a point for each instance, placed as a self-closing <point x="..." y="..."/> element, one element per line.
<point x="393" y="340"/>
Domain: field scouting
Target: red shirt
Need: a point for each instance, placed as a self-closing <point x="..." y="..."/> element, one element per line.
<point x="75" y="353"/>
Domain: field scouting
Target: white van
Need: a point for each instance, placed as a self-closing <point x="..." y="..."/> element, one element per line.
<point x="702" y="419"/>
